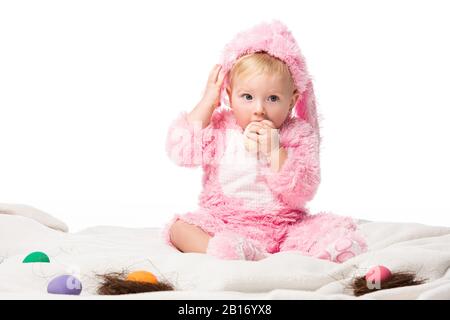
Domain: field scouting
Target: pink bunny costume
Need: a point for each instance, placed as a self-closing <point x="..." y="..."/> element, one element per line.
<point x="248" y="209"/>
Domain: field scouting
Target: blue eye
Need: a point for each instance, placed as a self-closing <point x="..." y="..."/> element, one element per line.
<point x="276" y="98"/>
<point x="246" y="95"/>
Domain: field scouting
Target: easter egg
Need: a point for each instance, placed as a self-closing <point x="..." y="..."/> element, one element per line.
<point x="142" y="276"/>
<point x="36" y="256"/>
<point x="378" y="274"/>
<point x="65" y="284"/>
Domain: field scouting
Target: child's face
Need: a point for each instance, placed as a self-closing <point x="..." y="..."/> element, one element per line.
<point x="261" y="97"/>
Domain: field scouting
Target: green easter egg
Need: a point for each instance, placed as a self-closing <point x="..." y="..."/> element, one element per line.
<point x="36" y="257"/>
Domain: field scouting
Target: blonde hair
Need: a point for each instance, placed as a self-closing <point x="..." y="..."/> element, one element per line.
<point x="259" y="63"/>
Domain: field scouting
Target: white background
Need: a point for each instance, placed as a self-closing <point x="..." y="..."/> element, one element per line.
<point x="88" y="89"/>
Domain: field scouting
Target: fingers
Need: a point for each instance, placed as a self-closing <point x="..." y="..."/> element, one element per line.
<point x="251" y="145"/>
<point x="252" y="136"/>
<point x="261" y="135"/>
<point x="258" y="135"/>
<point x="268" y="123"/>
<point x="256" y="127"/>
<point x="214" y="73"/>
<point x="221" y="77"/>
<point x="261" y="128"/>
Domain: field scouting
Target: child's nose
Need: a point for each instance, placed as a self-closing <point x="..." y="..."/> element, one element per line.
<point x="259" y="109"/>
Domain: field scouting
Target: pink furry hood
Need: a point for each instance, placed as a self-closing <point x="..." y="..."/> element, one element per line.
<point x="275" y="39"/>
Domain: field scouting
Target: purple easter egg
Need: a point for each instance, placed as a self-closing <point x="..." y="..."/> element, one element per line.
<point x="65" y="284"/>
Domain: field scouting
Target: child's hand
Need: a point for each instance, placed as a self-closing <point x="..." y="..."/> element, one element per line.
<point x="261" y="137"/>
<point x="211" y="95"/>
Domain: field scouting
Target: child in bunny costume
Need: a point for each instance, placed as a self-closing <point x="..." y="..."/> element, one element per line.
<point x="255" y="133"/>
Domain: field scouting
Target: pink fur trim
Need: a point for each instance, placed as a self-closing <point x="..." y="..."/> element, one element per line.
<point x="230" y="246"/>
<point x="317" y="232"/>
<point x="298" y="179"/>
<point x="212" y="198"/>
<point x="188" y="145"/>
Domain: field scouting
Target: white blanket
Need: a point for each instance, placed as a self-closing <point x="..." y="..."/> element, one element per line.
<point x="286" y="275"/>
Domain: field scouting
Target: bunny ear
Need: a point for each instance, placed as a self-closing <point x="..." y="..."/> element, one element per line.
<point x="305" y="107"/>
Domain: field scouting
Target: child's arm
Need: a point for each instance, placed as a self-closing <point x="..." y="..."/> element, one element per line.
<point x="190" y="137"/>
<point x="297" y="179"/>
<point x="201" y="114"/>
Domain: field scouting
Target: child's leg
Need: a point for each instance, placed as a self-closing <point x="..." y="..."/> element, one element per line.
<point x="201" y="232"/>
<point x="191" y="232"/>
<point x="188" y="237"/>
<point x="224" y="244"/>
<point x="325" y="236"/>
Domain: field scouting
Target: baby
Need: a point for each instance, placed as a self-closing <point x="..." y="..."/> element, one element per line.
<point x="260" y="158"/>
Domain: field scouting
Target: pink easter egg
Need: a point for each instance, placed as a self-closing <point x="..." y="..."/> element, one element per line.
<point x="378" y="274"/>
